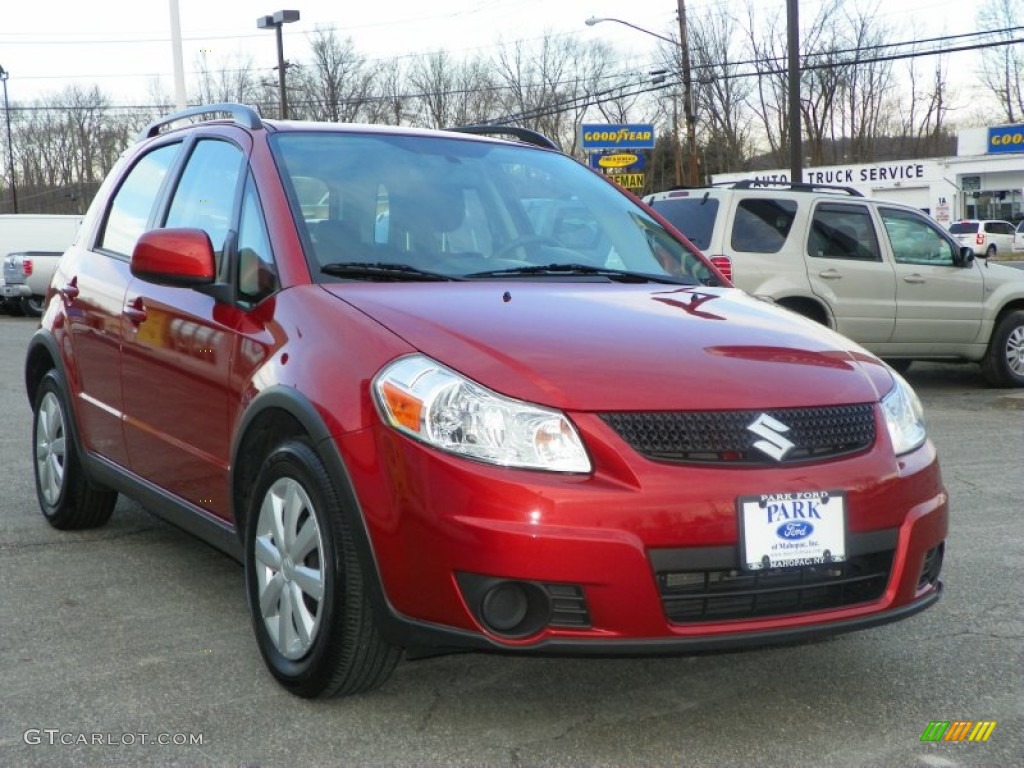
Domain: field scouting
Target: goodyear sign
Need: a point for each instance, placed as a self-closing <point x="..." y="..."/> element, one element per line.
<point x="1006" y="138"/>
<point x="617" y="136"/>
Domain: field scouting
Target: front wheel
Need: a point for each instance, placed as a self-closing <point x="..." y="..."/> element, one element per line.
<point x="307" y="593"/>
<point x="67" y="498"/>
<point x="1003" y="365"/>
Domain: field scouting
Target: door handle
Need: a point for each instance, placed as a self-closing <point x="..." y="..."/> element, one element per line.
<point x="913" y="279"/>
<point x="831" y="274"/>
<point x="136" y="312"/>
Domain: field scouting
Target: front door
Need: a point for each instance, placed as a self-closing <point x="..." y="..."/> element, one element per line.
<point x="177" y="349"/>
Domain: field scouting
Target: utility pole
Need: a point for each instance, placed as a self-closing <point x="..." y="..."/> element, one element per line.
<point x="796" y="151"/>
<point x="693" y="170"/>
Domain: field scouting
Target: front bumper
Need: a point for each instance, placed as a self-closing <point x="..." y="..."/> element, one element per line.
<point x="438" y="522"/>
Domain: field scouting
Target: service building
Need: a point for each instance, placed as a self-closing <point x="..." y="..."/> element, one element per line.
<point x="984" y="180"/>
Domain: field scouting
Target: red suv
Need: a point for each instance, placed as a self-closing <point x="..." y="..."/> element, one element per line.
<point x="346" y="356"/>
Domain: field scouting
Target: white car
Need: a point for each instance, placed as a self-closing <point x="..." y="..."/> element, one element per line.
<point x="882" y="273"/>
<point x="986" y="237"/>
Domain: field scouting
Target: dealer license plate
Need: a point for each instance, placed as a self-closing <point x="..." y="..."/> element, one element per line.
<point x="781" y="530"/>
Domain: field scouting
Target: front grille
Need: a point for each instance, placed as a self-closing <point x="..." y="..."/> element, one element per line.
<point x="713" y="595"/>
<point x="724" y="437"/>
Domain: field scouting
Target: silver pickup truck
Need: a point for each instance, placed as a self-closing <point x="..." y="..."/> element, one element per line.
<point x="26" y="277"/>
<point x="30" y="246"/>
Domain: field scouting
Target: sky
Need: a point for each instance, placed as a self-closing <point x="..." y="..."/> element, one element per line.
<point x="123" y="46"/>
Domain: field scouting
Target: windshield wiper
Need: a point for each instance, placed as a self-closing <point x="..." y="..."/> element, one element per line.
<point x="382" y="270"/>
<point x="617" y="275"/>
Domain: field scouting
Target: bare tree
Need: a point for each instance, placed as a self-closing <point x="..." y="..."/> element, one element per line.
<point x="1002" y="67"/>
<point x="450" y="92"/>
<point x="721" y="93"/>
<point x="226" y="80"/>
<point x="337" y="84"/>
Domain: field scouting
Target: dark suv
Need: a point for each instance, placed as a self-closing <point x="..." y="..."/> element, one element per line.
<point x="444" y="391"/>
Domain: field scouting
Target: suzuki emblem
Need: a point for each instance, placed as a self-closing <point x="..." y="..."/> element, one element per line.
<point x="774" y="443"/>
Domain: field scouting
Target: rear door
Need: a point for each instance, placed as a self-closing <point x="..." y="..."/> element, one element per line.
<point x="846" y="269"/>
<point x="92" y="286"/>
<point x="939" y="303"/>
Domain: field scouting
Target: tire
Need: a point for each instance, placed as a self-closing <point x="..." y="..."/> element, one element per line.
<point x="990" y="252"/>
<point x="1003" y="365"/>
<point x="67" y="498"/>
<point x="33" y="306"/>
<point x="309" y="602"/>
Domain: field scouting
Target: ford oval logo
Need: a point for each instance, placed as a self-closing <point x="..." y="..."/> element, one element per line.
<point x="794" y="531"/>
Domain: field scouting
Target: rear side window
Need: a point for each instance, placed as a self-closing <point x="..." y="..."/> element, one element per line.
<point x="693" y="216"/>
<point x="762" y="225"/>
<point x="133" y="203"/>
<point x="841" y="231"/>
<point x="964" y="228"/>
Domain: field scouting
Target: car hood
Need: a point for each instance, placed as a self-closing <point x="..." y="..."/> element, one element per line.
<point x="601" y="346"/>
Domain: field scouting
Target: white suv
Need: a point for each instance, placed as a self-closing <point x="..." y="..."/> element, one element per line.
<point x="883" y="274"/>
<point x="985" y="237"/>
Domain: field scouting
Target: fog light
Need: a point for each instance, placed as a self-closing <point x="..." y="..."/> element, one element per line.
<point x="504" y="606"/>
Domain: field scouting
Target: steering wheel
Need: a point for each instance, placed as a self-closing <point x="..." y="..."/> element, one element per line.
<point x="525" y="240"/>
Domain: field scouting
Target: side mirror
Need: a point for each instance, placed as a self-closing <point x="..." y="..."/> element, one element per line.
<point x="178" y="257"/>
<point x="964" y="256"/>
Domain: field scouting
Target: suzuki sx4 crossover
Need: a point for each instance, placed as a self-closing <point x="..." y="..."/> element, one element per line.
<point x="442" y="391"/>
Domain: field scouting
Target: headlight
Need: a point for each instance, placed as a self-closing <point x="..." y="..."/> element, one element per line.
<point x="432" y="403"/>
<point x="903" y="416"/>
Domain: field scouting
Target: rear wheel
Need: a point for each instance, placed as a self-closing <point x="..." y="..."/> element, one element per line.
<point x="307" y="594"/>
<point x="1003" y="365"/>
<point x="33" y="305"/>
<point x="991" y="251"/>
<point x="67" y="498"/>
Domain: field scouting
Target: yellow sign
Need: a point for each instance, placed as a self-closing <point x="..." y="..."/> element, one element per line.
<point x="628" y="180"/>
<point x="622" y="160"/>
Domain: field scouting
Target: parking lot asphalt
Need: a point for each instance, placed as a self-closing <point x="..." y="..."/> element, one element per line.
<point x="115" y="640"/>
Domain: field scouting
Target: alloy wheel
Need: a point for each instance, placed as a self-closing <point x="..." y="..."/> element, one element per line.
<point x="1015" y="350"/>
<point x="50" y="448"/>
<point x="289" y="554"/>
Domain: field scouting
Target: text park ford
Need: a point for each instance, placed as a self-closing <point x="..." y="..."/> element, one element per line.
<point x="343" y="355"/>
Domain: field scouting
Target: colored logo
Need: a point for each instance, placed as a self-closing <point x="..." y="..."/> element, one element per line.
<point x="1006" y="138"/>
<point x="773" y="444"/>
<point x="794" y="531"/>
<point x="632" y="136"/>
<point x="623" y="160"/>
<point x="958" y="730"/>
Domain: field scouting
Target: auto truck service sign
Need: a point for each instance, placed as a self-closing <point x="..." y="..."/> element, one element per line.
<point x="617" y="136"/>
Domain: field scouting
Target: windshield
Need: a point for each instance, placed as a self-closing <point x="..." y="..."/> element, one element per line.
<point x="458" y="207"/>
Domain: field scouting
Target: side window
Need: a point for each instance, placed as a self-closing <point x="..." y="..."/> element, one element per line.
<point x="257" y="274"/>
<point x="761" y="225"/>
<point x="206" y="192"/>
<point x="843" y="231"/>
<point x="133" y="203"/>
<point x="915" y="240"/>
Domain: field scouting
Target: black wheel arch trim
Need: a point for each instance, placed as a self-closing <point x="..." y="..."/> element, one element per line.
<point x="297" y="405"/>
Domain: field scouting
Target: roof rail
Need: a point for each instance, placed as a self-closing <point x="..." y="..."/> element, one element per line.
<point x="798" y="186"/>
<point x="523" y="134"/>
<point x="240" y="113"/>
